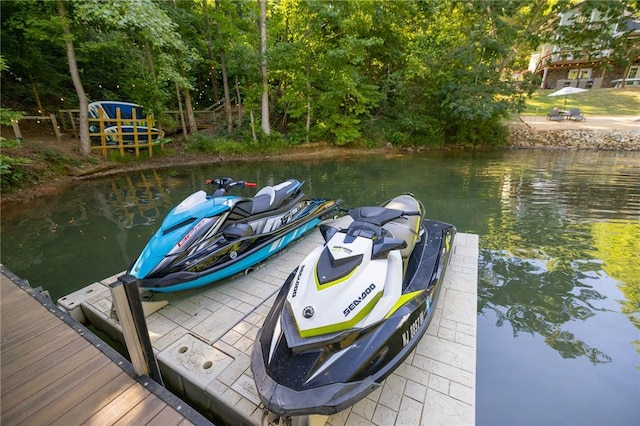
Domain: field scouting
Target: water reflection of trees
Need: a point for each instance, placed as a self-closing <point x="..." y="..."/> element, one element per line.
<point x="618" y="245"/>
<point x="564" y="224"/>
<point x="532" y="298"/>
<point x="137" y="199"/>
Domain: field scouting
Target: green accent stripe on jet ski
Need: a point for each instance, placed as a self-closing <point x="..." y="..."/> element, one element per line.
<point x="340" y="326"/>
<point x="331" y="283"/>
<point x="416" y="232"/>
<point x="401" y="301"/>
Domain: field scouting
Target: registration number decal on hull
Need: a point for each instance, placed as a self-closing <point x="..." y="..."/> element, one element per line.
<point x="411" y="332"/>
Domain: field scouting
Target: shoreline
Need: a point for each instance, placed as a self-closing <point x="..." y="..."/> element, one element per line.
<point x="14" y="199"/>
<point x="523" y="135"/>
<point x="540" y="135"/>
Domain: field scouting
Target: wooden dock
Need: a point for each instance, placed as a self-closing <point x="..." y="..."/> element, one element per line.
<point x="56" y="372"/>
<point x="203" y="339"/>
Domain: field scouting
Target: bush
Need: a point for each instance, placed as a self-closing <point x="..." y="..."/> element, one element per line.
<point x="209" y="145"/>
<point x="479" y="133"/>
<point x="12" y="172"/>
<point x="275" y="142"/>
<point x="9" y="115"/>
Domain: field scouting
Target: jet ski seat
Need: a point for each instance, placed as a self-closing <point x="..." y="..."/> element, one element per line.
<point x="271" y="197"/>
<point x="405" y="227"/>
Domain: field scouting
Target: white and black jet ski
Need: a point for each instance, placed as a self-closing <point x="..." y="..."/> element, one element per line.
<point x="352" y="311"/>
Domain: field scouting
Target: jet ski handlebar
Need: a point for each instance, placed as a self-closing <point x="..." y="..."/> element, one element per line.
<point x="225" y="184"/>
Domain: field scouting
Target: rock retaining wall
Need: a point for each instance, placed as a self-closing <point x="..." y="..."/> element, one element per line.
<point x="523" y="136"/>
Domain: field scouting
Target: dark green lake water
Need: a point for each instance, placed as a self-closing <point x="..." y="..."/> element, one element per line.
<point x="559" y="269"/>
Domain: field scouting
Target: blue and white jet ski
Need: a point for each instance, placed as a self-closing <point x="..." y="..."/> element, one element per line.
<point x="352" y="311"/>
<point x="210" y="237"/>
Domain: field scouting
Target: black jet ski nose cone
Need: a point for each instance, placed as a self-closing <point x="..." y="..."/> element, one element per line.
<point x="308" y="312"/>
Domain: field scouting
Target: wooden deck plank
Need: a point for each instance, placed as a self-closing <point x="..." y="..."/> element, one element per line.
<point x="49" y="381"/>
<point x="31" y="350"/>
<point x="119" y="406"/>
<point x="167" y="417"/>
<point x="39" y="369"/>
<point x="46" y="378"/>
<point x="142" y="413"/>
<point x="6" y="292"/>
<point x="20" y="318"/>
<point x="86" y="399"/>
<point x="53" y="374"/>
<point x="27" y="343"/>
<point x="15" y="314"/>
<point x="22" y="312"/>
<point x="19" y="335"/>
<point x="35" y="398"/>
<point x="13" y="297"/>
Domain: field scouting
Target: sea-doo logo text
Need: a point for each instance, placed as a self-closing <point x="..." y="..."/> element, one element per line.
<point x="194" y="229"/>
<point x="357" y="301"/>
<point x="295" y="286"/>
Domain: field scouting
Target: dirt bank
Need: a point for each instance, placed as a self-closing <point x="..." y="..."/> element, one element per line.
<point x="79" y="168"/>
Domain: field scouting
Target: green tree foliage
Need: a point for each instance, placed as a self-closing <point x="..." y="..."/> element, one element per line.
<point x="31" y="42"/>
<point x="425" y="72"/>
<point x="163" y="56"/>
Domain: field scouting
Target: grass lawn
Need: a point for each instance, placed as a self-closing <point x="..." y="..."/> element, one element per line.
<point x="593" y="102"/>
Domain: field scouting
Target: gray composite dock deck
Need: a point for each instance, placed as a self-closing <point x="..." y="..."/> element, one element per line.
<point x="55" y="373"/>
<point x="203" y="339"/>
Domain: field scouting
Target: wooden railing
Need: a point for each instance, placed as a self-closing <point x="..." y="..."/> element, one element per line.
<point x="69" y="120"/>
<point x="52" y="117"/>
<point x="124" y="133"/>
<point x="115" y="133"/>
<point x="204" y="118"/>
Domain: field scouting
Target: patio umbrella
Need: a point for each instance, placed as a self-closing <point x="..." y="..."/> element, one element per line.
<point x="567" y="91"/>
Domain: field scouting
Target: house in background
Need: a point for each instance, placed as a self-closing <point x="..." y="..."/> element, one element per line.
<point x="558" y="67"/>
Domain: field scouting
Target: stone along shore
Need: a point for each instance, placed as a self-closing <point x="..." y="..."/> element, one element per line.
<point x="523" y="136"/>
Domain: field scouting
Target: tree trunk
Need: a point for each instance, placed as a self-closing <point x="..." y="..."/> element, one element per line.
<point x="212" y="68"/>
<point x="239" y="103"/>
<point x="625" y="75"/>
<point x="182" y="120"/>
<point x="149" y="58"/>
<point x="227" y="94"/>
<point x="36" y="94"/>
<point x="266" y="128"/>
<point x="253" y="126"/>
<point x="193" y="125"/>
<point x="308" y="82"/>
<point x="225" y="84"/>
<point x="85" y="144"/>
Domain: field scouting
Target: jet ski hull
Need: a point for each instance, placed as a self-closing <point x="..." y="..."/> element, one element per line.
<point x="259" y="251"/>
<point x="207" y="238"/>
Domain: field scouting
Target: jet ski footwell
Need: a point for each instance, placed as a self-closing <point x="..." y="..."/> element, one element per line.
<point x="203" y="341"/>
